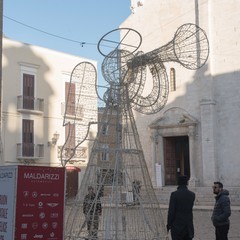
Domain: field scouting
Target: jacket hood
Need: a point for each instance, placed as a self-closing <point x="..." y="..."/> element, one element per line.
<point x="224" y="192"/>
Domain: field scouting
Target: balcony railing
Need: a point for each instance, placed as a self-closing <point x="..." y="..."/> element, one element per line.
<point x="80" y="153"/>
<point x="72" y="111"/>
<point x="30" y="151"/>
<point x="30" y="104"/>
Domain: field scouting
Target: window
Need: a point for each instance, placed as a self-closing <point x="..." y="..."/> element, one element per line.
<point x="172" y="80"/>
<point x="29" y="79"/>
<point x="28" y="91"/>
<point x="105" y="128"/>
<point x="70" y="139"/>
<point x="104" y="153"/>
<point x="70" y="135"/>
<point x="111" y="177"/>
<point x="27" y="138"/>
<point x="119" y="132"/>
<point x="70" y="98"/>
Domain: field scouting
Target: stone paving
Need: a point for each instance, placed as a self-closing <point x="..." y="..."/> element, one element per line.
<point x="204" y="229"/>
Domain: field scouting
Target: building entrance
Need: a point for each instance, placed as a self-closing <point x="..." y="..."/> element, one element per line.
<point x="176" y="158"/>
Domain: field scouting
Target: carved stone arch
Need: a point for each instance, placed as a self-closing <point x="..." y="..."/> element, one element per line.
<point x="174" y="117"/>
<point x="176" y="122"/>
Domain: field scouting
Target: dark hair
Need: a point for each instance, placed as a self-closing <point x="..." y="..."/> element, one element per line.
<point x="219" y="184"/>
<point x="183" y="180"/>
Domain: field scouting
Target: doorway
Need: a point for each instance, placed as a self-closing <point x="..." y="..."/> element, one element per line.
<point x="72" y="182"/>
<point x="176" y="158"/>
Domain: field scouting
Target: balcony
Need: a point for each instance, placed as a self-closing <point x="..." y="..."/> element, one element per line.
<point x="30" y="151"/>
<point x="80" y="154"/>
<point x="30" y="105"/>
<point x="72" y="111"/>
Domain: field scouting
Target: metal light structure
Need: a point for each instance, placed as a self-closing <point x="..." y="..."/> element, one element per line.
<point x="117" y="169"/>
<point x="80" y="109"/>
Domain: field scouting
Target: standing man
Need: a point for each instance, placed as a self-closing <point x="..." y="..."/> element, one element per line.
<point x="180" y="211"/>
<point x="92" y="209"/>
<point x="221" y="212"/>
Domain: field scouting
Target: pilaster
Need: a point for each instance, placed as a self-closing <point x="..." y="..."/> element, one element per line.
<point x="208" y="141"/>
<point x="194" y="181"/>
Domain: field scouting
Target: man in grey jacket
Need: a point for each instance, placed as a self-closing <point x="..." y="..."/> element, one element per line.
<point x="221" y="212"/>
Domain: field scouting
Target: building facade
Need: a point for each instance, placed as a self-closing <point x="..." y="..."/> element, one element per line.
<point x="34" y="92"/>
<point x="197" y="131"/>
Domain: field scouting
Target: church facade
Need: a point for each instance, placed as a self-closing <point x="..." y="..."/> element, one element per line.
<point x="197" y="131"/>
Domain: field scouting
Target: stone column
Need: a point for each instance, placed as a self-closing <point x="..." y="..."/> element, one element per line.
<point x="193" y="182"/>
<point x="161" y="158"/>
<point x="154" y="159"/>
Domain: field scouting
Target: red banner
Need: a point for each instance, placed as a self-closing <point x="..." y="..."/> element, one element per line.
<point x="40" y="203"/>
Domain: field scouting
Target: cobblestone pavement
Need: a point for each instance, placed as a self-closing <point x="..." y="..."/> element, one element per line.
<point x="204" y="229"/>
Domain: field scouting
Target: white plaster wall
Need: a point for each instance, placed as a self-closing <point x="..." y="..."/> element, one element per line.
<point x="226" y="86"/>
<point x="52" y="70"/>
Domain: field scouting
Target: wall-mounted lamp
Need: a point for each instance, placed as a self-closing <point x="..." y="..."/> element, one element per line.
<point x="54" y="140"/>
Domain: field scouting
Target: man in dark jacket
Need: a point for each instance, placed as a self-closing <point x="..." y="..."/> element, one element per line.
<point x="221" y="212"/>
<point x="180" y="215"/>
<point x="92" y="209"/>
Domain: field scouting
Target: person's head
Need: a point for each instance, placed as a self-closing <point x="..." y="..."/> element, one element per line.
<point x="217" y="187"/>
<point x="183" y="180"/>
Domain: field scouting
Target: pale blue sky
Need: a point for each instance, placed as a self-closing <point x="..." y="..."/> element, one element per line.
<point x="78" y="20"/>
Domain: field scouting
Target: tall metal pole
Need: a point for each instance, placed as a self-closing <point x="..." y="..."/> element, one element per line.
<point x="1" y="36"/>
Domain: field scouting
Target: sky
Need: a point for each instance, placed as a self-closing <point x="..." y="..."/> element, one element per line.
<point x="37" y="22"/>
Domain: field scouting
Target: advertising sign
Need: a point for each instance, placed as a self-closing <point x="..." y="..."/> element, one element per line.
<point x="7" y="202"/>
<point x="40" y="203"/>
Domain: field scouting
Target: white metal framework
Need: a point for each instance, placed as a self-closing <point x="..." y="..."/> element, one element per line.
<point x="124" y="205"/>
